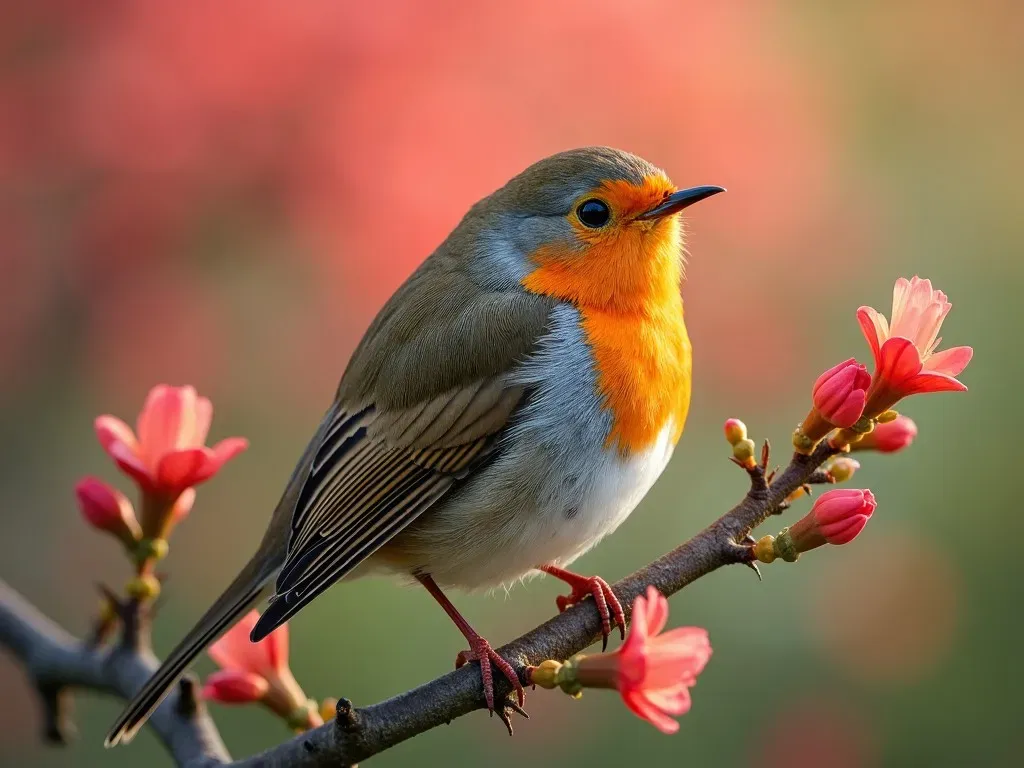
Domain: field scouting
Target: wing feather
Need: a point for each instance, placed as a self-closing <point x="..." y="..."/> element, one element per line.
<point x="373" y="475"/>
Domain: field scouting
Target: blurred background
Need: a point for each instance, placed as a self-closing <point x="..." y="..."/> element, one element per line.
<point x="223" y="194"/>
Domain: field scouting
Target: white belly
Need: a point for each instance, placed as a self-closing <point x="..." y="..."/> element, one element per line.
<point x="555" y="488"/>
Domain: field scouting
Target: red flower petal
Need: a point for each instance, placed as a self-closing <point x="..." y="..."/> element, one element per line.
<point x="231" y="686"/>
<point x="179" y="470"/>
<point x="932" y="382"/>
<point x="899" y="361"/>
<point x="870" y="325"/>
<point x="234" y="650"/>
<point x="110" y="430"/>
<point x="166" y="412"/>
<point x="133" y="466"/>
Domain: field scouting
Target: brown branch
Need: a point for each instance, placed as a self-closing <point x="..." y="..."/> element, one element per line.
<point x="57" y="662"/>
<point x="357" y="734"/>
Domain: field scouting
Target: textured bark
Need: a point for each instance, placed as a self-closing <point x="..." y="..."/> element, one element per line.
<point x="58" y="662"/>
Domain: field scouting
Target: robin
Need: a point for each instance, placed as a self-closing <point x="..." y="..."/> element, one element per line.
<point x="511" y="404"/>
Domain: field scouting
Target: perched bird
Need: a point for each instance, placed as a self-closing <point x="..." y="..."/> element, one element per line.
<point x="510" y="405"/>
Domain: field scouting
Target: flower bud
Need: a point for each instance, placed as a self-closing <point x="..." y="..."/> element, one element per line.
<point x="842" y="469"/>
<point x="735" y="430"/>
<point x="837" y="517"/>
<point x="143" y="587"/>
<point x="744" y="451"/>
<point x="107" y="509"/>
<point x="888" y="437"/>
<point x="840" y="392"/>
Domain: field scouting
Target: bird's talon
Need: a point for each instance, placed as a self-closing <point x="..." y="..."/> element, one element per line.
<point x="480" y="651"/>
<point x="608" y="605"/>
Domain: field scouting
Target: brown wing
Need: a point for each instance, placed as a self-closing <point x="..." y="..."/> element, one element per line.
<point x="381" y="464"/>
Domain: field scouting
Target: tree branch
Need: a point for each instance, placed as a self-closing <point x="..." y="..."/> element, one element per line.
<point x="56" y="661"/>
<point x="357" y="734"/>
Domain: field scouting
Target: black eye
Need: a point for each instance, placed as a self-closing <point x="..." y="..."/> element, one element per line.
<point x="593" y="213"/>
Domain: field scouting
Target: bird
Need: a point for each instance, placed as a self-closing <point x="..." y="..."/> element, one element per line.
<point x="509" y="406"/>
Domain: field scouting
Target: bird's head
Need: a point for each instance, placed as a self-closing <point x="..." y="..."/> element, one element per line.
<point x="594" y="226"/>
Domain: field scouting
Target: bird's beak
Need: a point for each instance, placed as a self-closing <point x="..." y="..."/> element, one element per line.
<point x="684" y="198"/>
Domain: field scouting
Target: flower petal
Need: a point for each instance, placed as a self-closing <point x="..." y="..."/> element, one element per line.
<point x="235" y="687"/>
<point x="131" y="464"/>
<point x="234" y="650"/>
<point x="874" y="327"/>
<point x="899" y="361"/>
<point x="203" y="418"/>
<point x="643" y="709"/>
<point x="110" y="429"/>
<point x="161" y="420"/>
<point x="657" y="611"/>
<point x="633" y="647"/>
<point x="227" y="449"/>
<point x="179" y="470"/>
<point x="929" y="381"/>
<point x="951" y="362"/>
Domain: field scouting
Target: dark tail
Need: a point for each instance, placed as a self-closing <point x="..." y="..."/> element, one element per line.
<point x="228" y="608"/>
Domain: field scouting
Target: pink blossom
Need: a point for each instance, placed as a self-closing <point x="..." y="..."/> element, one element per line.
<point x="259" y="672"/>
<point x="169" y="454"/>
<point x="906" y="360"/>
<point x="653" y="673"/>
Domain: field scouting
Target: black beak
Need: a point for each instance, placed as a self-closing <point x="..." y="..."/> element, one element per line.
<point x="684" y="198"/>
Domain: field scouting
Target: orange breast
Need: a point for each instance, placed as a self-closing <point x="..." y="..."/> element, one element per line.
<point x="625" y="282"/>
<point x="643" y="366"/>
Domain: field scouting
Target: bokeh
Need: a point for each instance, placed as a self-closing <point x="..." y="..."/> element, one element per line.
<point x="223" y="194"/>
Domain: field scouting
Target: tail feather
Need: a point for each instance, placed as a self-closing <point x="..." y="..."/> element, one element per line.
<point x="228" y="608"/>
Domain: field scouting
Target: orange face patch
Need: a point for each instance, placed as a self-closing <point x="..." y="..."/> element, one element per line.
<point x="624" y="278"/>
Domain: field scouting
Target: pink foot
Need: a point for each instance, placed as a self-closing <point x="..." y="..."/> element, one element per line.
<point x="480" y="650"/>
<point x="607" y="603"/>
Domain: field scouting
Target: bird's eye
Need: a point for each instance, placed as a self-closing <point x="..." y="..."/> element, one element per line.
<point x="593" y="213"/>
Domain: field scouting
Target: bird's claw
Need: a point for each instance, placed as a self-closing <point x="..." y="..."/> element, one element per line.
<point x="480" y="650"/>
<point x="608" y="605"/>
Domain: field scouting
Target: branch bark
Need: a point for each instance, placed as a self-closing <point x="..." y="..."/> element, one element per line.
<point x="357" y="734"/>
<point x="57" y="662"/>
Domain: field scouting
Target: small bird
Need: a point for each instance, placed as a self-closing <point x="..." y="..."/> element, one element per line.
<point x="509" y="406"/>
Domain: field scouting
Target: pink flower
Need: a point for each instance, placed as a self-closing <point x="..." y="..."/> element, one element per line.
<point x="259" y="672"/>
<point x="107" y="509"/>
<point x="169" y="455"/>
<point x="906" y="362"/>
<point x="653" y="673"/>
<point x="889" y="437"/>
<point x="839" y="394"/>
<point x="837" y="517"/>
<point x="656" y="672"/>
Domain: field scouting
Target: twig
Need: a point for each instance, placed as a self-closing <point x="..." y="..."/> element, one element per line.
<point x="56" y="661"/>
<point x="358" y="734"/>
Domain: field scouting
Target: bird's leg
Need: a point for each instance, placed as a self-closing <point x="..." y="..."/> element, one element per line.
<point x="479" y="649"/>
<point x="608" y="604"/>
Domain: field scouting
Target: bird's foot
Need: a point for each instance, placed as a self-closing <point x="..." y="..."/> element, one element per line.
<point x="480" y="650"/>
<point x="608" y="605"/>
